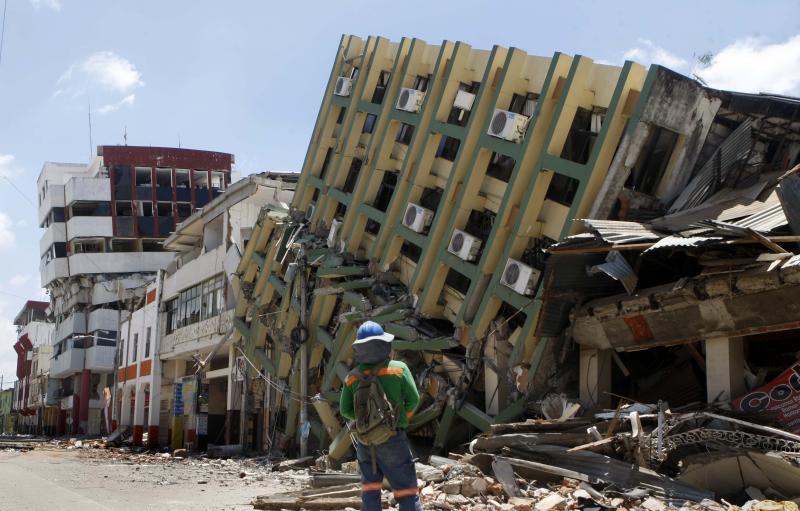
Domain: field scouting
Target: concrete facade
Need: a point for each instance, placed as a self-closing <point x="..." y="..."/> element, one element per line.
<point x="102" y="244"/>
<point x="187" y="316"/>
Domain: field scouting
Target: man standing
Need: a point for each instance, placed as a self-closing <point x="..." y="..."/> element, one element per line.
<point x="380" y="395"/>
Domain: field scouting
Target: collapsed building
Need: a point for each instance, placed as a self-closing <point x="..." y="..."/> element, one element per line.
<point x="439" y="196"/>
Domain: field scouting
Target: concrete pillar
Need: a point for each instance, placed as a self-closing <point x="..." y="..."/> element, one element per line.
<point x="595" y="378"/>
<point x="83" y="411"/>
<point x="125" y="413"/>
<point x="138" y="414"/>
<point x="724" y="368"/>
<point x="155" y="405"/>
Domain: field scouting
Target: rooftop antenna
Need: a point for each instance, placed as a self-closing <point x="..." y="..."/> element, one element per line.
<point x="90" y="133"/>
<point x="179" y="140"/>
<point x="125" y="135"/>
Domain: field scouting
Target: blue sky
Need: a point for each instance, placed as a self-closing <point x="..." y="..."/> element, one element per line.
<point x="223" y="76"/>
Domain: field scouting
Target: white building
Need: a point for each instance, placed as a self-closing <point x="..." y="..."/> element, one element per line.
<point x="103" y="229"/>
<point x="33" y="349"/>
<point x="189" y="334"/>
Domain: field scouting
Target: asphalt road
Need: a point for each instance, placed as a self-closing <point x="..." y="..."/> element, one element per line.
<point x="57" y="480"/>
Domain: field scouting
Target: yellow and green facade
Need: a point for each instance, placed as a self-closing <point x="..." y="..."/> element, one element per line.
<point x="368" y="160"/>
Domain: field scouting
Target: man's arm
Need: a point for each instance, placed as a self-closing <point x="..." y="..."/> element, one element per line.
<point x="410" y="393"/>
<point x="346" y="400"/>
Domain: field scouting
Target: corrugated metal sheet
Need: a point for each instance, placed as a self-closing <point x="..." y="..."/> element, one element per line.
<point x="734" y="148"/>
<point x="617" y="268"/>
<point x="684" y="242"/>
<point x="618" y="232"/>
<point x="767" y="219"/>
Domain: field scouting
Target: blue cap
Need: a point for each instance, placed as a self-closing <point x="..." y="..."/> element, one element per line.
<point x="370" y="331"/>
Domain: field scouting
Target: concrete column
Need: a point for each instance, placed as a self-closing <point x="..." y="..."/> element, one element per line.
<point x="155" y="404"/>
<point x="138" y="414"/>
<point x="595" y="378"/>
<point x="724" y="368"/>
<point x="125" y="412"/>
<point x="83" y="411"/>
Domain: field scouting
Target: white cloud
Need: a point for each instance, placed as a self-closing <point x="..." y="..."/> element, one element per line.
<point x="105" y="77"/>
<point x="113" y="107"/>
<point x="754" y="65"/>
<point x="51" y="4"/>
<point x="8" y="357"/>
<point x="8" y="165"/>
<point x="7" y="237"/>
<point x="111" y="71"/>
<point x="646" y="53"/>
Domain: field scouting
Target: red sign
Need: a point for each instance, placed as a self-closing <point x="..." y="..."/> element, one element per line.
<point x="779" y="399"/>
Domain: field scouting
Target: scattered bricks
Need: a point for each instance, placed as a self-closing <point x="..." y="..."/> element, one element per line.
<point x="457" y="500"/>
<point x="495" y="489"/>
<point x="474" y="486"/>
<point x="429" y="474"/>
<point x="552" y="501"/>
<point x="521" y="504"/>
<point x="180" y="453"/>
<point x="350" y="467"/>
<point x="652" y="504"/>
<point x="452" y="487"/>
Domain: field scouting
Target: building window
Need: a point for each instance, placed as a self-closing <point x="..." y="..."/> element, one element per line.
<point x="352" y="175"/>
<point x="325" y="163"/>
<point x="652" y="161"/>
<point x="380" y="87"/>
<point x="144" y="176"/>
<point x="135" y="348"/>
<point x="369" y="123"/>
<point x="147" y="343"/>
<point x="91" y="246"/>
<point x="340" y="116"/>
<point x="448" y="148"/>
<point x="200" y="302"/>
<point x="523" y="104"/>
<point x="421" y="82"/>
<point x="500" y="167"/>
<point x="405" y="134"/>
<point x="562" y="189"/>
<point x="582" y="135"/>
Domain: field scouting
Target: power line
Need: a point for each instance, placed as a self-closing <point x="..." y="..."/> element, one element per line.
<point x="3" y="31"/>
<point x="21" y="194"/>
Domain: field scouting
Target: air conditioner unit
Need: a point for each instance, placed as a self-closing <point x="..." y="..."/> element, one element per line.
<point x="343" y="86"/>
<point x="310" y="211"/>
<point x="597" y="123"/>
<point x="508" y="125"/>
<point x="520" y="277"/>
<point x="410" y="100"/>
<point x="464" y="100"/>
<point x="333" y="233"/>
<point x="417" y="218"/>
<point x="465" y="246"/>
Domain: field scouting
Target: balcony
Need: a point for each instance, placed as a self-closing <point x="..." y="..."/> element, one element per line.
<point x="119" y="262"/>
<point x="88" y="189"/>
<point x="197" y="336"/>
<point x="68" y="363"/>
<point x="103" y="319"/>
<point x="74" y="324"/>
<point x="195" y="271"/>
<point x="54" y="198"/>
<point x="56" y="269"/>
<point x="55" y="233"/>
<point x="101" y="358"/>
<point x="89" y="227"/>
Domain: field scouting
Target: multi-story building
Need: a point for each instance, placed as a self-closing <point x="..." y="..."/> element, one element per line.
<point x="104" y="225"/>
<point x="6" y="417"/>
<point x="174" y="378"/>
<point x="446" y="172"/>
<point x="33" y="362"/>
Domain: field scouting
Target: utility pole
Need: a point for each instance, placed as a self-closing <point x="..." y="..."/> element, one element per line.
<point x="243" y="415"/>
<point x="303" y="361"/>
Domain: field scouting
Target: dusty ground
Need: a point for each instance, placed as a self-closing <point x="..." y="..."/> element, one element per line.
<point x="88" y="480"/>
